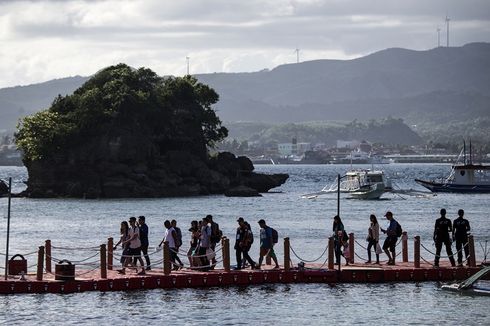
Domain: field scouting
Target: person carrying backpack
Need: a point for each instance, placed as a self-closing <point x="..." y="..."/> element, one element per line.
<point x="216" y="235"/>
<point x="393" y="231"/>
<point x="268" y="237"/>
<point x="243" y="242"/>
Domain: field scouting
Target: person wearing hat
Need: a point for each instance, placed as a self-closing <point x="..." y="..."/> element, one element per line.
<point x="242" y="244"/>
<point x="266" y="244"/>
<point x="391" y="238"/>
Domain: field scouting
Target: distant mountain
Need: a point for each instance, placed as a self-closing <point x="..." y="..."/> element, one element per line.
<point x="397" y="82"/>
<point x="19" y="101"/>
<point x="419" y="86"/>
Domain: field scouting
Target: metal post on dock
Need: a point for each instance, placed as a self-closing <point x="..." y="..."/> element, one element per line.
<point x="47" y="248"/>
<point x="351" y="248"/>
<point x="110" y="254"/>
<point x="8" y="230"/>
<point x="166" y="258"/>
<point x="416" y="252"/>
<point x="405" y="246"/>
<point x="103" y="261"/>
<point x="225" y="248"/>
<point x="287" y="259"/>
<point x="330" y="253"/>
<point x="471" y="248"/>
<point x="40" y="263"/>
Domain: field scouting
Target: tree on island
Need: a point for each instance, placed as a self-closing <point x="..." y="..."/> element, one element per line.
<point x="125" y="133"/>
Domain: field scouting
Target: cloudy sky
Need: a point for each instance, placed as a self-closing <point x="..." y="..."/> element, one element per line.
<point x="41" y="40"/>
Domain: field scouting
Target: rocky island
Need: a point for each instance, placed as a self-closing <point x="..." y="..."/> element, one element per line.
<point x="130" y="133"/>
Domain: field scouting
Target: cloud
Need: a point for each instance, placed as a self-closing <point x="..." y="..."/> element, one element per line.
<point x="49" y="39"/>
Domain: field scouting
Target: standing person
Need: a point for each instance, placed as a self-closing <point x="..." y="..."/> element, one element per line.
<point x="144" y="240"/>
<point x="461" y="227"/>
<point x="178" y="241"/>
<point x="204" y="243"/>
<point x="124" y="230"/>
<point x="193" y="242"/>
<point x="391" y="238"/>
<point x="169" y="237"/>
<point x="373" y="238"/>
<point x="338" y="234"/>
<point x="266" y="243"/>
<point x="134" y="246"/>
<point x="442" y="231"/>
<point x="216" y="235"/>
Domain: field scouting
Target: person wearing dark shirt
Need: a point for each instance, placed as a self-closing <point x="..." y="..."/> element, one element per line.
<point x="461" y="227"/>
<point x="144" y="241"/>
<point x="338" y="235"/>
<point x="442" y="232"/>
<point x="389" y="245"/>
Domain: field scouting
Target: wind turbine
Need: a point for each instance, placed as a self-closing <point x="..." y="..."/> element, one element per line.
<point x="438" y="37"/>
<point x="187" y="60"/>
<point x="297" y="55"/>
<point x="447" y="30"/>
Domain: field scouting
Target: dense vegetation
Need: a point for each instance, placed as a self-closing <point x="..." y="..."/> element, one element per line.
<point x="386" y="131"/>
<point x="166" y="112"/>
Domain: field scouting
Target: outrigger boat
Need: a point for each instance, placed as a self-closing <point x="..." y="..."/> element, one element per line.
<point x="359" y="184"/>
<point x="464" y="178"/>
<point x="473" y="285"/>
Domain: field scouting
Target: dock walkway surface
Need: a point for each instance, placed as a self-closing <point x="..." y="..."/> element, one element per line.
<point x="188" y="278"/>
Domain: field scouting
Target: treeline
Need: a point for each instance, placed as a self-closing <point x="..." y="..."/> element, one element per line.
<point x="388" y="131"/>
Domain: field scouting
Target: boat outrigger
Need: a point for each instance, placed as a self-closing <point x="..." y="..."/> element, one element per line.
<point x="473" y="285"/>
<point x="359" y="184"/>
<point x="464" y="178"/>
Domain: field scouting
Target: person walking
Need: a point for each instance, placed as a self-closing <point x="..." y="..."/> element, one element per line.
<point x="124" y="230"/>
<point x="170" y="236"/>
<point x="373" y="238"/>
<point x="338" y="235"/>
<point x="178" y="241"/>
<point x="204" y="243"/>
<point x="144" y="240"/>
<point x="266" y="244"/>
<point x="193" y="243"/>
<point x="389" y="245"/>
<point x="242" y="244"/>
<point x="134" y="246"/>
<point x="461" y="227"/>
<point x="216" y="235"/>
<point x="442" y="235"/>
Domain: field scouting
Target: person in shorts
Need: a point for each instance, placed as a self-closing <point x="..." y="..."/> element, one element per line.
<point x="266" y="244"/>
<point x="134" y="248"/>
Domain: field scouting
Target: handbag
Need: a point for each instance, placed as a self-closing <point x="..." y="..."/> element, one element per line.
<point x="378" y="249"/>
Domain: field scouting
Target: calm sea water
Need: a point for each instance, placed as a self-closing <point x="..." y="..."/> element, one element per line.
<point x="86" y="223"/>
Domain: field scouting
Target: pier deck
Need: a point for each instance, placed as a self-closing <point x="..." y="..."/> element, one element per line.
<point x="186" y="278"/>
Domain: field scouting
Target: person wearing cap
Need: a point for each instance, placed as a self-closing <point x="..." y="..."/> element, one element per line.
<point x="442" y="230"/>
<point x="266" y="244"/>
<point x="242" y="244"/>
<point x="134" y="245"/>
<point x="391" y="238"/>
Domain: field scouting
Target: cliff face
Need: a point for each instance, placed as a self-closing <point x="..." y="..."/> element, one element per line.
<point x="176" y="173"/>
<point x="129" y="133"/>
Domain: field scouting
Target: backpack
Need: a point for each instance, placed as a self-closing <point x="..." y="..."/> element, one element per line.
<point x="216" y="233"/>
<point x="250" y="237"/>
<point x="398" y="230"/>
<point x="275" y="236"/>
